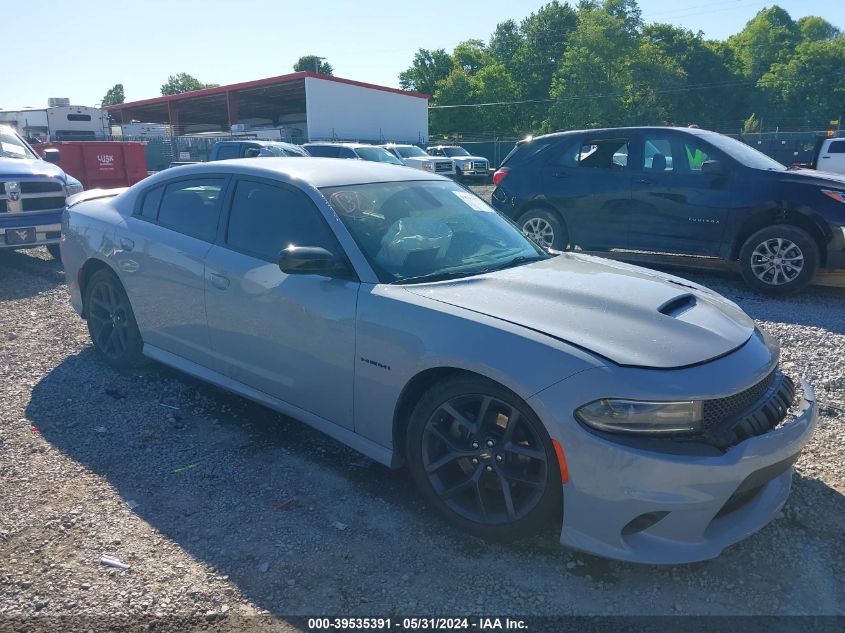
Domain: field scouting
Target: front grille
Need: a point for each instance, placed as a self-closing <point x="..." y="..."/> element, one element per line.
<point x="43" y="204"/>
<point x="479" y="165"/>
<point x="34" y="195"/>
<point x="40" y="187"/>
<point x="442" y="167"/>
<point x="722" y="408"/>
<point x="752" y="412"/>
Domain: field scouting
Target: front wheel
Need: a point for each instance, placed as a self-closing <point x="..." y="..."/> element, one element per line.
<point x="483" y="459"/>
<point x="111" y="322"/>
<point x="779" y="259"/>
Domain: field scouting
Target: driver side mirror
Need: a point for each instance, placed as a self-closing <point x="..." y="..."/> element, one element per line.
<point x="310" y="260"/>
<point x="52" y="155"/>
<point x="712" y="168"/>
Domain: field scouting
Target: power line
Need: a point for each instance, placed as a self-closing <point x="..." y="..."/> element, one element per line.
<point x="724" y="84"/>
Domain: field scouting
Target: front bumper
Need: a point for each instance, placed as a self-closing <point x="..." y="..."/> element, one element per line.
<point x="43" y="234"/>
<point x="634" y="503"/>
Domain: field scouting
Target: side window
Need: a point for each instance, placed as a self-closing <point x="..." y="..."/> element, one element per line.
<point x="228" y="151"/>
<point x="192" y="207"/>
<point x="604" y="154"/>
<point x="265" y="219"/>
<point x="836" y="147"/>
<point x="694" y="156"/>
<point x="345" y="152"/>
<point x="435" y="152"/>
<point x="149" y="206"/>
<point x="323" y="151"/>
<point x="568" y="157"/>
<point x="657" y="154"/>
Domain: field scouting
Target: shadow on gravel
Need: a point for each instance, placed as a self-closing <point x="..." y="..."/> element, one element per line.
<point x="302" y="524"/>
<point x="48" y="274"/>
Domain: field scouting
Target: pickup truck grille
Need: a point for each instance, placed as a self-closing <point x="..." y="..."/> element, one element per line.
<point x="442" y="167"/>
<point x="31" y="195"/>
<point x="480" y="165"/>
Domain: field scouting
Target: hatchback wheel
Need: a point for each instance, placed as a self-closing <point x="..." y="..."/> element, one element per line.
<point x="483" y="459"/>
<point x="779" y="259"/>
<point x="111" y="322"/>
<point x="545" y="228"/>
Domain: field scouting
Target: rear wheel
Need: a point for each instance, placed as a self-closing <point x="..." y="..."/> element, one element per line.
<point x="779" y="259"/>
<point x="111" y="322"/>
<point x="545" y="228"/>
<point x="482" y="458"/>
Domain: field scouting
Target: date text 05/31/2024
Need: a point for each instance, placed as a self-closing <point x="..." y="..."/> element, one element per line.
<point x="417" y="624"/>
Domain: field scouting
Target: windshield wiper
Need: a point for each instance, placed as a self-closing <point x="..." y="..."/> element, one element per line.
<point x="439" y="276"/>
<point x="519" y="260"/>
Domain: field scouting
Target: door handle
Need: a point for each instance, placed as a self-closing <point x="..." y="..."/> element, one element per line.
<point x="825" y="156"/>
<point x="218" y="281"/>
<point x="126" y="244"/>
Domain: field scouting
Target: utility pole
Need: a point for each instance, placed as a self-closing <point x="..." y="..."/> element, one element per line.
<point x="317" y="61"/>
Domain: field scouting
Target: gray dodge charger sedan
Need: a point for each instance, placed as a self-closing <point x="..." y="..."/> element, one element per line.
<point x="398" y="313"/>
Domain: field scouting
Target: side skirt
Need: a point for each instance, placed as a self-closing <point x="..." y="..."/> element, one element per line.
<point x="369" y="448"/>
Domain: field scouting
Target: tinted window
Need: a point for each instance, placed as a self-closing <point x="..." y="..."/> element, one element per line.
<point x="695" y="156"/>
<point x="228" y="151"/>
<point x="837" y="147"/>
<point x="149" y="208"/>
<point x="657" y="155"/>
<point x="377" y="155"/>
<point x="345" y="152"/>
<point x="78" y="117"/>
<point x="265" y="220"/>
<point x="192" y="207"/>
<point x="322" y="151"/>
<point x="604" y="154"/>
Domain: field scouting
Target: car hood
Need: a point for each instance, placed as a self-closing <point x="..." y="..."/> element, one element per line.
<point x="815" y="177"/>
<point x="26" y="168"/>
<point x="465" y="159"/>
<point x="426" y="159"/>
<point x="627" y="314"/>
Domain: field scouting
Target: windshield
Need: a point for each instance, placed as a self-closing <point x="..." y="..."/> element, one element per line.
<point x="377" y="155"/>
<point x="455" y="151"/>
<point x="745" y="154"/>
<point x="12" y="147"/>
<point x="424" y="230"/>
<point x="411" y="151"/>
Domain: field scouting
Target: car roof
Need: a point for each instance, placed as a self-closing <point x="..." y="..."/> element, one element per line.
<point x="318" y="172"/>
<point x="444" y="146"/>
<point x="259" y="141"/>
<point x="642" y="128"/>
<point x="333" y="144"/>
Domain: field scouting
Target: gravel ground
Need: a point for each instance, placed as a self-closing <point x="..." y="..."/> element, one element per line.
<point x="226" y="510"/>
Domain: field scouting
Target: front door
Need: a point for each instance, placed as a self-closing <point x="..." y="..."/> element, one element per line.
<point x="675" y="208"/>
<point x="587" y="180"/>
<point x="289" y="336"/>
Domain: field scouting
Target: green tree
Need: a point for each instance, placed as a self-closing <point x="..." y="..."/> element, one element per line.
<point x="314" y="64"/>
<point x="814" y="29"/>
<point x="471" y="55"/>
<point x="428" y="67"/>
<point x="114" y="96"/>
<point x="752" y="124"/>
<point x="457" y="88"/>
<point x="505" y="43"/>
<point x="768" y="38"/>
<point x="811" y="83"/>
<point x="183" y="82"/>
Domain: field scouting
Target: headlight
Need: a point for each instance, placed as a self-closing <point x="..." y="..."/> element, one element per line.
<point x="426" y="164"/>
<point x="636" y="416"/>
<point x="75" y="187"/>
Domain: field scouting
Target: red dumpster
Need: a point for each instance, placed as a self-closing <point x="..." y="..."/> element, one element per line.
<point x="101" y="164"/>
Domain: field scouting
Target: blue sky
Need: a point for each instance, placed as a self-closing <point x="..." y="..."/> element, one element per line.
<point x="80" y="49"/>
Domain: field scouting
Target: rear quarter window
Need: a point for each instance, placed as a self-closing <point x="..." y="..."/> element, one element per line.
<point x="524" y="152"/>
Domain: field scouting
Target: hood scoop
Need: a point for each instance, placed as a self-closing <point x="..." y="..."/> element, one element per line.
<point x="677" y="306"/>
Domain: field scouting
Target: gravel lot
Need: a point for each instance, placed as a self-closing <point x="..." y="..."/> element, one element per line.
<point x="226" y="510"/>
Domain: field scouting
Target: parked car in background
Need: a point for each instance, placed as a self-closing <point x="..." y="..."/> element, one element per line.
<point x="466" y="165"/>
<point x="360" y="151"/>
<point x="224" y="150"/>
<point x="830" y="155"/>
<point x="32" y="194"/>
<point x="677" y="191"/>
<point x="397" y="312"/>
<point x="413" y="156"/>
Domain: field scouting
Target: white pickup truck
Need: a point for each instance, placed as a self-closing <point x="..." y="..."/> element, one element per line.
<point x="830" y="155"/>
<point x="413" y="156"/>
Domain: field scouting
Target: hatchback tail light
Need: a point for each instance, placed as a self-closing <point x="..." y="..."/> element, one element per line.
<point x="500" y="174"/>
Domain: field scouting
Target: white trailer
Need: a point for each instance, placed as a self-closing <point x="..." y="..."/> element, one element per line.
<point x="58" y="123"/>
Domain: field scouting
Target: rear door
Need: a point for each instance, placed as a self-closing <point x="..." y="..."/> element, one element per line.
<point x="675" y="208"/>
<point x="587" y="180"/>
<point x="832" y="157"/>
<point x="160" y="258"/>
